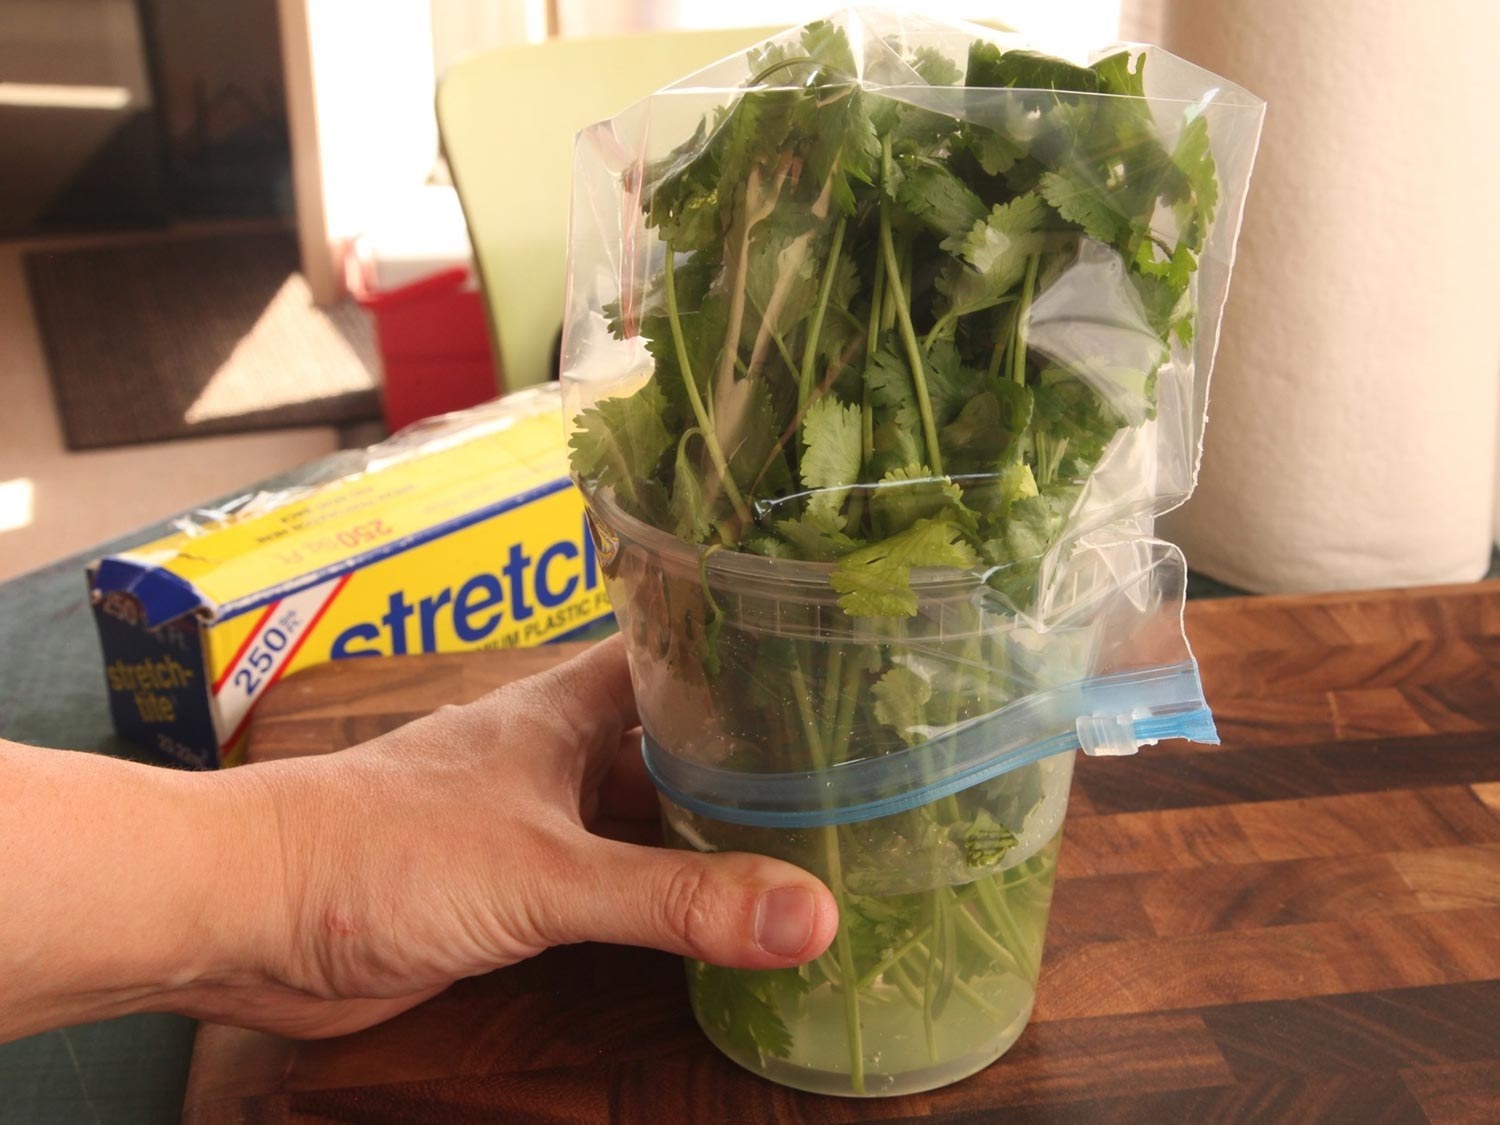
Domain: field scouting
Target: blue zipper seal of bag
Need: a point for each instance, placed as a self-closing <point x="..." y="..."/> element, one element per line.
<point x="1102" y="716"/>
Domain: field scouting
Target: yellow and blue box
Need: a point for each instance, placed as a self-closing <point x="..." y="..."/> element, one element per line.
<point x="464" y="533"/>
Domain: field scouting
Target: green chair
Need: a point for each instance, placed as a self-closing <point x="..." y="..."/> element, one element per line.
<point x="507" y="118"/>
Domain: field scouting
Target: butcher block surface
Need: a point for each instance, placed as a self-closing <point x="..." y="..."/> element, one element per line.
<point x="1302" y="924"/>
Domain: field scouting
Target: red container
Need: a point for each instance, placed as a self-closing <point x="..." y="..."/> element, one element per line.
<point x="434" y="345"/>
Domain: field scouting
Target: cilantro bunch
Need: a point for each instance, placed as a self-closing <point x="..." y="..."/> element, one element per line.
<point x="895" y="322"/>
<point x="840" y="322"/>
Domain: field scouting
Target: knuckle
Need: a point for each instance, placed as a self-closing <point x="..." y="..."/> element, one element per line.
<point x="687" y="906"/>
<point x="546" y="899"/>
<point x="557" y="702"/>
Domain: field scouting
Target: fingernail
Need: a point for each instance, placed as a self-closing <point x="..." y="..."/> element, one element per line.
<point x="784" y="921"/>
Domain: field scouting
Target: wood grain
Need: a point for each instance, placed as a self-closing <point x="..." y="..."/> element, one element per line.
<point x="337" y="705"/>
<point x="1302" y="924"/>
<point x="1466" y="1094"/>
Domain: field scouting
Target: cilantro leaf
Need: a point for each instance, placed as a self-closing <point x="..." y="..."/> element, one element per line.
<point x="827" y="45"/>
<point x="936" y="68"/>
<point x="845" y="151"/>
<point x="682" y="200"/>
<point x="619" y="441"/>
<point x="987" y="840"/>
<point x="831" y="437"/>
<point x="1084" y="203"/>
<point x="901" y="697"/>
<point x="993" y="254"/>
<point x="996" y="152"/>
<point x="989" y="65"/>
<point x="1193" y="157"/>
<point x="950" y="382"/>
<point x="935" y="195"/>
<point x="741" y="1005"/>
<point x="897" y="435"/>
<point x="817" y="535"/>
<point x="1116" y="75"/>
<point x="781" y="277"/>
<point x="688" y="507"/>
<point x="750" y="440"/>
<point x="875" y="581"/>
<point x="1033" y="527"/>
<point x="911" y="493"/>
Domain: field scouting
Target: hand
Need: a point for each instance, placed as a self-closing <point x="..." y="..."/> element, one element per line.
<point x="476" y="838"/>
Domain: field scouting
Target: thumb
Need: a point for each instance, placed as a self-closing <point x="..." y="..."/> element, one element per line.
<point x="731" y="908"/>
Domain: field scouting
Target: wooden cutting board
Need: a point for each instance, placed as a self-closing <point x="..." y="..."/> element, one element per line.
<point x="1300" y="924"/>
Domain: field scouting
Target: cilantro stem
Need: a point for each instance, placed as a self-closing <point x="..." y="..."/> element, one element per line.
<point x="705" y="422"/>
<point x="848" y="698"/>
<point x="789" y="266"/>
<point x="829" y="837"/>
<point x="904" y="984"/>
<point x="1000" y="914"/>
<point x="1027" y="871"/>
<point x="949" y="933"/>
<point x="783" y="64"/>
<point x="985" y="941"/>
<point x="815" y="326"/>
<point x="930" y="981"/>
<point x="977" y="999"/>
<point x="938" y="327"/>
<point x="1002" y="342"/>
<point x="1023" y="321"/>
<point x="909" y="335"/>
<point x="776" y="338"/>
<point x="867" y="412"/>
<point x="715" y="621"/>
<point x="832" y="683"/>
<point x="886" y="963"/>
<point x="969" y="991"/>
<point x="951" y="317"/>
<point x="850" y="319"/>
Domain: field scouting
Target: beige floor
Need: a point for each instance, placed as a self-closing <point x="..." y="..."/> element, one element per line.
<point x="54" y="503"/>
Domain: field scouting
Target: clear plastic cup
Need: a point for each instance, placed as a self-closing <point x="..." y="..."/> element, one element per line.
<point x="776" y="724"/>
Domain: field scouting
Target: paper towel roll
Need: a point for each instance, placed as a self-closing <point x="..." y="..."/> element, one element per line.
<point x="1352" y="437"/>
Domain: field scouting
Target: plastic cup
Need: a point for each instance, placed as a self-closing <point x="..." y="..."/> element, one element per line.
<point x="776" y="723"/>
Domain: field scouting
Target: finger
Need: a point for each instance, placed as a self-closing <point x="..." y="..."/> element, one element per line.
<point x="597" y="683"/>
<point x="628" y="830"/>
<point x="733" y="908"/>
<point x="627" y="791"/>
<point x="299" y="1017"/>
<point x="591" y="695"/>
<point x="589" y="692"/>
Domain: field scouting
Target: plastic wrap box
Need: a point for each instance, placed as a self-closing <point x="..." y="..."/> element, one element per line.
<point x="460" y="533"/>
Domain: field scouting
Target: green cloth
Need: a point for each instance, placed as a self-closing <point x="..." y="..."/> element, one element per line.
<point x="123" y="1071"/>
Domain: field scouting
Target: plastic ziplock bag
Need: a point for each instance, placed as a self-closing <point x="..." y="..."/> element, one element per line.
<point x="887" y="306"/>
<point x="886" y="343"/>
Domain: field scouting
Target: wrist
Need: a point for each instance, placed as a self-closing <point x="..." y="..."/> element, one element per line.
<point x="235" y="931"/>
<point x="128" y="888"/>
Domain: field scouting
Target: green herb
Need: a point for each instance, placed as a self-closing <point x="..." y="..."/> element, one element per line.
<point x="850" y="368"/>
<point x="744" y="1007"/>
